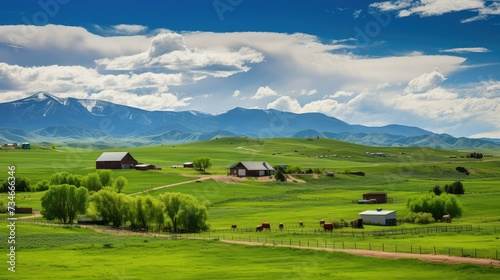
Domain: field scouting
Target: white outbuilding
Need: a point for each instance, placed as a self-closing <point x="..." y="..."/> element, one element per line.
<point x="379" y="217"/>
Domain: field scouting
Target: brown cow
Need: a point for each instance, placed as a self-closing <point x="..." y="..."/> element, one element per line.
<point x="234" y="226"/>
<point x="266" y="225"/>
<point x="281" y="226"/>
<point x="301" y="224"/>
<point x="328" y="226"/>
<point x="259" y="228"/>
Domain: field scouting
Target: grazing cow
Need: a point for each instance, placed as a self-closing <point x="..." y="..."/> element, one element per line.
<point x="234" y="226"/>
<point x="281" y="226"/>
<point x="328" y="226"/>
<point x="266" y="225"/>
<point x="259" y="228"/>
<point x="301" y="224"/>
<point x="321" y="222"/>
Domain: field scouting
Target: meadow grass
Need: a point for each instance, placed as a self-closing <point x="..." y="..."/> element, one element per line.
<point x="83" y="254"/>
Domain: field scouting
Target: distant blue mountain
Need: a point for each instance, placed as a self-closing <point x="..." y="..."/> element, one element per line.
<point x="44" y="117"/>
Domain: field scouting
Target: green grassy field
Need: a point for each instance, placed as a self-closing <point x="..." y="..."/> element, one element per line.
<point x="83" y="254"/>
<point x="403" y="173"/>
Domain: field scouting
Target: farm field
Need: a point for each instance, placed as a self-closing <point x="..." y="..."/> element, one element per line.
<point x="403" y="173"/>
<point x="84" y="254"/>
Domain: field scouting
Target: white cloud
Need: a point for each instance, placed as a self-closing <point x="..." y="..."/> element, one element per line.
<point x="285" y="103"/>
<point x="425" y="82"/>
<point x="308" y="92"/>
<point x="236" y="93"/>
<point x="169" y="52"/>
<point x="467" y="50"/>
<point x="357" y="13"/>
<point x="341" y="93"/>
<point x="391" y="5"/>
<point x="129" y="29"/>
<point x="426" y="8"/>
<point x="156" y="101"/>
<point x="264" y="92"/>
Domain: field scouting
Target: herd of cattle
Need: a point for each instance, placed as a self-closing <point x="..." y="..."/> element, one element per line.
<point x="267" y="226"/>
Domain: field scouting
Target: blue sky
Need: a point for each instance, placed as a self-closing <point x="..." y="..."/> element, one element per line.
<point x="427" y="63"/>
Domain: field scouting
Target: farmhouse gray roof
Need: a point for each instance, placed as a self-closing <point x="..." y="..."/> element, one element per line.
<point x="377" y="213"/>
<point x="112" y="156"/>
<point x="255" y="165"/>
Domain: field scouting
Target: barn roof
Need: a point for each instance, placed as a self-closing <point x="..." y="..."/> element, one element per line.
<point x="254" y="165"/>
<point x="377" y="213"/>
<point x="112" y="156"/>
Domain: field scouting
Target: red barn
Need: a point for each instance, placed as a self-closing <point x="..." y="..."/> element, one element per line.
<point x="115" y="160"/>
<point x="251" y="169"/>
<point x="379" y="197"/>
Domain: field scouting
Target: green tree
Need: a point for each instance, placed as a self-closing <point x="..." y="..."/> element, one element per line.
<point x="437" y="190"/>
<point x="185" y="211"/>
<point x="202" y="163"/>
<point x="92" y="182"/>
<point x="147" y="211"/>
<point x="105" y="177"/>
<point x="293" y="169"/>
<point x="445" y="204"/>
<point x="279" y="176"/>
<point x="172" y="203"/>
<point x="193" y="215"/>
<point x="64" y="202"/>
<point x="42" y="185"/>
<point x="119" y="183"/>
<point x="21" y="185"/>
<point x="112" y="207"/>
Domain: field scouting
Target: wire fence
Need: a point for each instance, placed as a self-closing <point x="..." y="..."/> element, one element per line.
<point x="237" y="235"/>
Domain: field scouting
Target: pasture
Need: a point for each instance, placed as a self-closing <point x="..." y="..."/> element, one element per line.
<point x="83" y="254"/>
<point x="402" y="173"/>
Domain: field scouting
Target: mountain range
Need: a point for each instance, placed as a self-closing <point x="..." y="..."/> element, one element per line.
<point x="43" y="117"/>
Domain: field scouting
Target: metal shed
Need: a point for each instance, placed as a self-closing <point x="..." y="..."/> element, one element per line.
<point x="379" y="217"/>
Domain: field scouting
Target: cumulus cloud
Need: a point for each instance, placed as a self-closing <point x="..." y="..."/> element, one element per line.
<point x="169" y="52"/>
<point x="341" y="93"/>
<point x="285" y="103"/>
<point x="236" y="93"/>
<point x="264" y="92"/>
<point x="81" y="82"/>
<point x="467" y="50"/>
<point x="155" y="101"/>
<point x="425" y="82"/>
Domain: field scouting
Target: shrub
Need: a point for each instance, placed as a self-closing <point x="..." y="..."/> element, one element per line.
<point x="42" y="185"/>
<point x="419" y="218"/>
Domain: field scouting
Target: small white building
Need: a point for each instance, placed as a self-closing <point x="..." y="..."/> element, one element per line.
<point x="379" y="217"/>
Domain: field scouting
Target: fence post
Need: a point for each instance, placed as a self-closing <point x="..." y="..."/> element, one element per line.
<point x="299" y="242"/>
<point x="307" y="242"/>
<point x="396" y="247"/>
<point x="290" y="242"/>
<point x="343" y="245"/>
<point x="370" y="246"/>
<point x="434" y="250"/>
<point x="462" y="252"/>
<point x="496" y="255"/>
<point x="449" y="253"/>
<point x="475" y="253"/>
<point x="383" y="249"/>
<point x="411" y="249"/>
<point x="317" y="243"/>
<point x="420" y="249"/>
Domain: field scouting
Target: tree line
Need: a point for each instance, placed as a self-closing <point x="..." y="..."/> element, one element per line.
<point x="456" y="187"/>
<point x="68" y="196"/>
